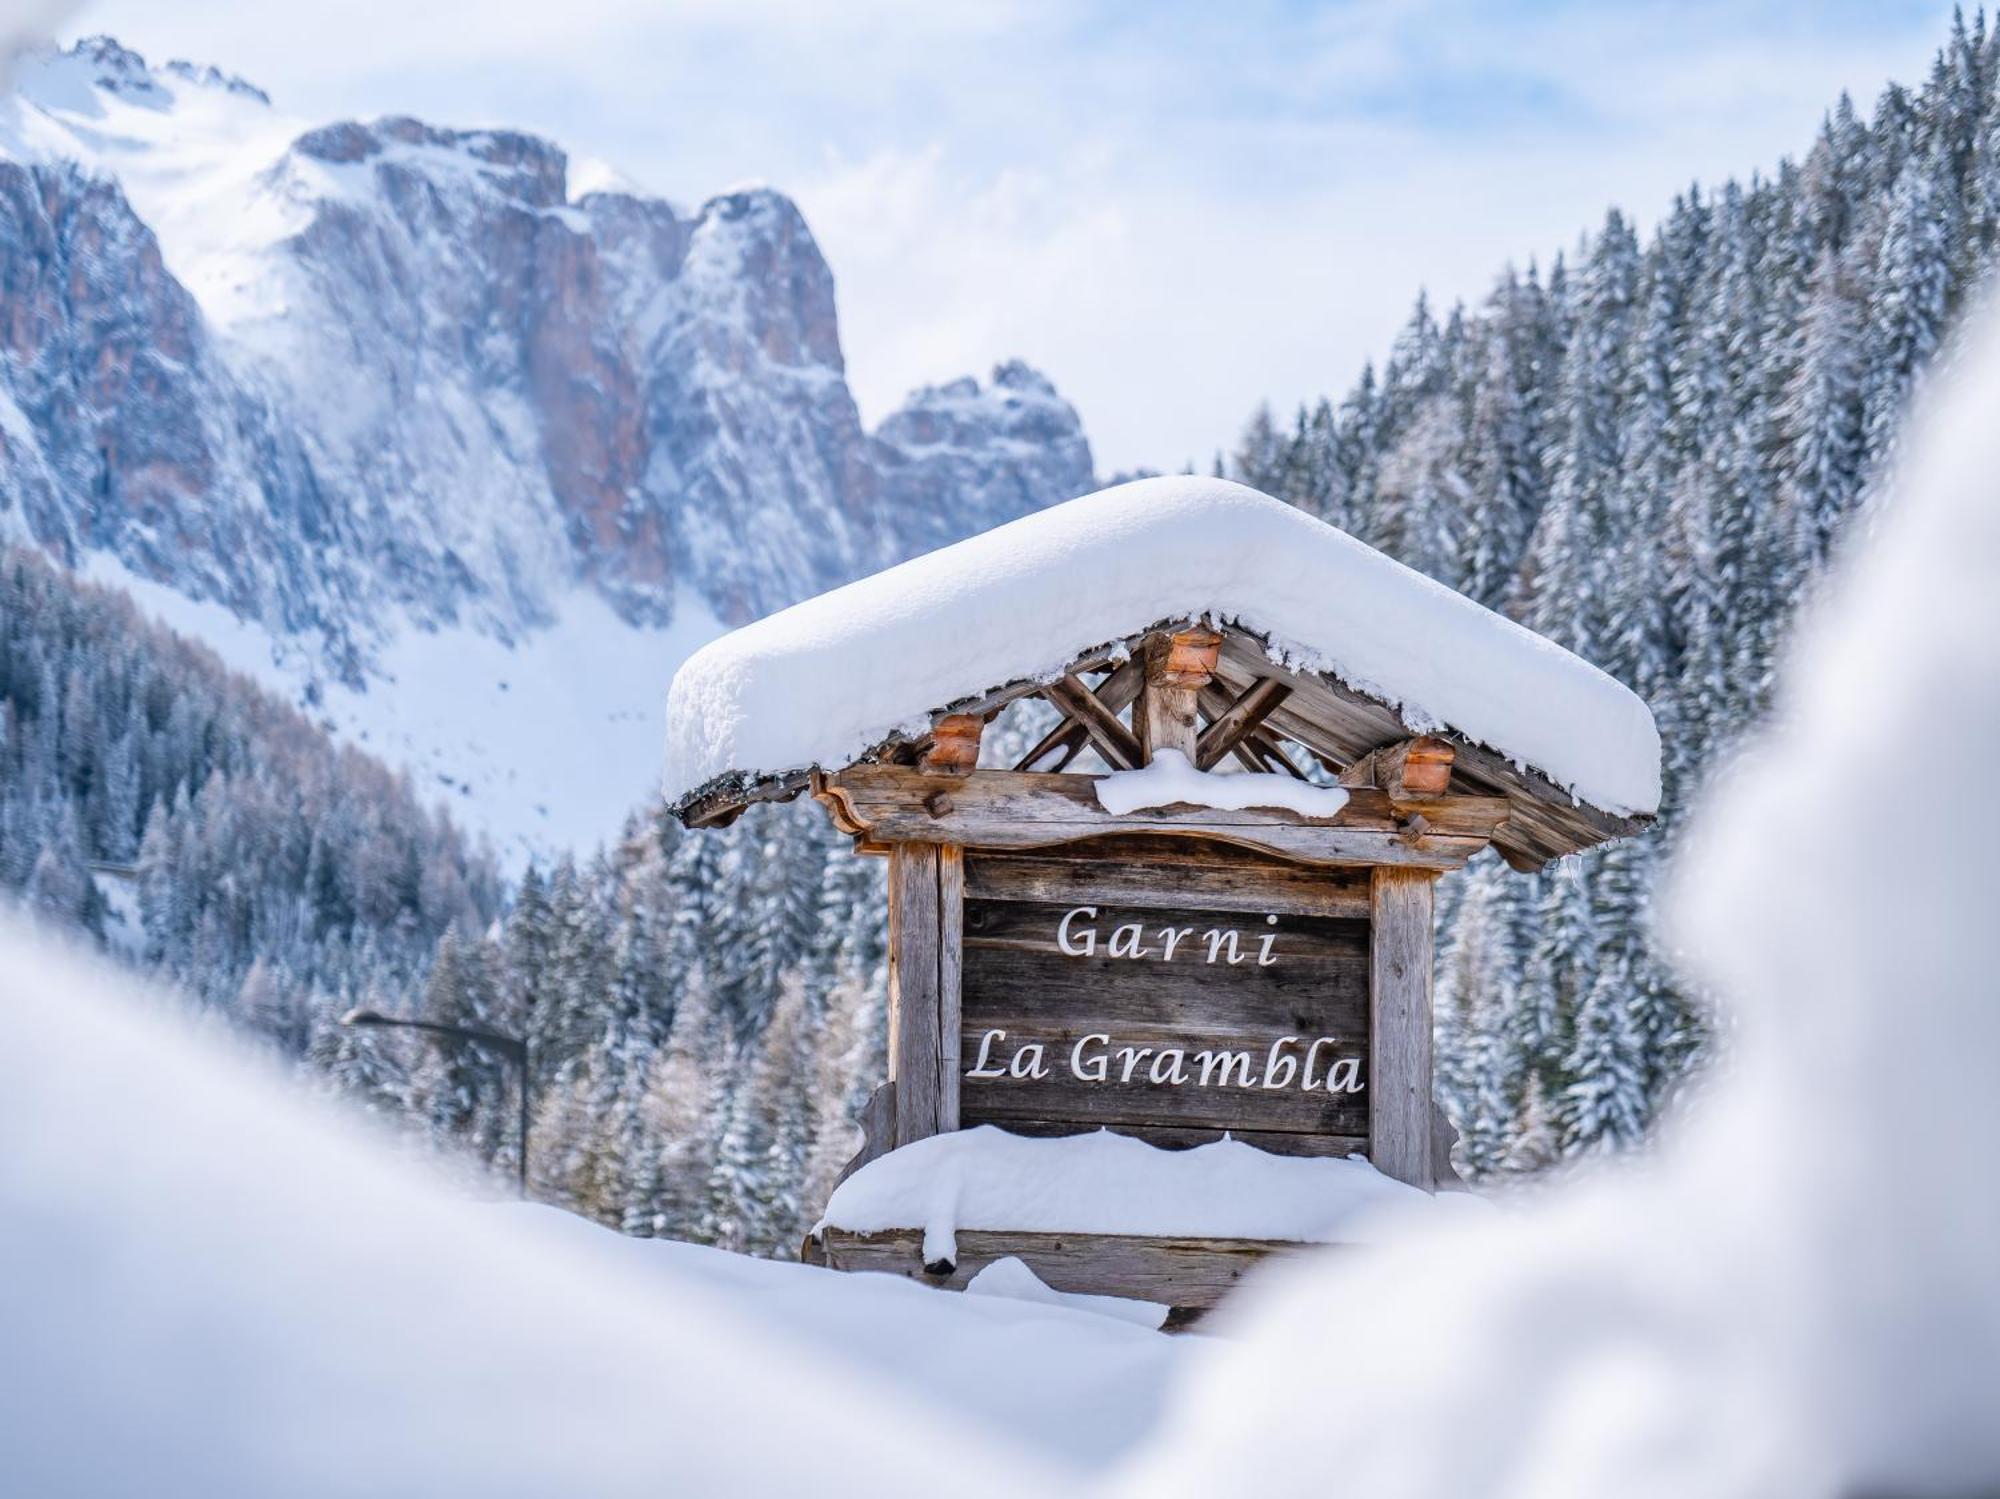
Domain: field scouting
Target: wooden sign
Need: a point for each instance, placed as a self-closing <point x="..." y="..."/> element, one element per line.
<point x="1174" y="1000"/>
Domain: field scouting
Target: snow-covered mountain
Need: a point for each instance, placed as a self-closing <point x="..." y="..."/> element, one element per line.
<point x="465" y="455"/>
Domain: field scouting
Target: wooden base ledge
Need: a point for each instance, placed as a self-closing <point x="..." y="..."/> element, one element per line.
<point x="1188" y="1275"/>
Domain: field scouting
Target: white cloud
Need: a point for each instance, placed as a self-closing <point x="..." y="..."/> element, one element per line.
<point x="1176" y="210"/>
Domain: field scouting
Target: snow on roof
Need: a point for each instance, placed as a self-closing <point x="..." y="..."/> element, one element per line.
<point x="823" y="682"/>
<point x="1106" y="1183"/>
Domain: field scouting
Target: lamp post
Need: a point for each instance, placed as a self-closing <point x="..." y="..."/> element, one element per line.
<point x="513" y="1048"/>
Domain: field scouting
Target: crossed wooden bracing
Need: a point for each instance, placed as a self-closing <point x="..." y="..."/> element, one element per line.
<point x="1427" y="800"/>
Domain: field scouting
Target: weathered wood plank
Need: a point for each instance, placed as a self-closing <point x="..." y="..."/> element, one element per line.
<point x="1184" y="1137"/>
<point x="951" y="954"/>
<point x="1157" y="875"/>
<point x="914" y="1041"/>
<point x="1008" y="809"/>
<point x="1139" y="1109"/>
<point x="1400" y="1109"/>
<point x="1194" y="1273"/>
<point x="1112" y="739"/>
<point x="1009" y="988"/>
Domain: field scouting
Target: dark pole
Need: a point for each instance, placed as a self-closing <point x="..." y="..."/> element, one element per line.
<point x="513" y="1048"/>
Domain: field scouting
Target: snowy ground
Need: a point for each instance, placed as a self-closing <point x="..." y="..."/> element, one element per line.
<point x="217" y="1285"/>
<point x="544" y="745"/>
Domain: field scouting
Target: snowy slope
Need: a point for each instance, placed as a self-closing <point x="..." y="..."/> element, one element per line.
<point x="355" y="380"/>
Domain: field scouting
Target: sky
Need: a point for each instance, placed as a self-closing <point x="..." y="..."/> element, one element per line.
<point x="1175" y="210"/>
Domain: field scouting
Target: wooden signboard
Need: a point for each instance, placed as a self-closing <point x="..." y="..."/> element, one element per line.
<point x="1167" y="1000"/>
<point x="1169" y="992"/>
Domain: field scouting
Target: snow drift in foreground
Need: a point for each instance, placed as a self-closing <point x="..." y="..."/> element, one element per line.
<point x="1802" y="1294"/>
<point x="820" y="682"/>
<point x="215" y="1286"/>
<point x="1105" y="1183"/>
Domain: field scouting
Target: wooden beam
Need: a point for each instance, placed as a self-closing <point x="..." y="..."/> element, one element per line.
<point x="1240" y="719"/>
<point x="1178" y="666"/>
<point x="888" y="804"/>
<point x="1400" y="1063"/>
<point x="1187" y="1273"/>
<point x="1215" y="702"/>
<point x="1116" y="693"/>
<point x="1113" y="740"/>
<point x="1343" y="725"/>
<point x="1166" y="874"/>
<point x="1407" y="768"/>
<point x="878" y="1130"/>
<point x="915" y="1039"/>
<point x="953" y="749"/>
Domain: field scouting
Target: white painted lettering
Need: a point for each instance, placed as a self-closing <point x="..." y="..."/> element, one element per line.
<point x="1345" y="1077"/>
<point x="1222" y="1063"/>
<point x="1088" y="944"/>
<point x="1312" y="1055"/>
<point x="1029" y="1062"/>
<point x="1132" y="1056"/>
<point x="1173" y="937"/>
<point x="984" y="1066"/>
<point x="1216" y="937"/>
<point x="1279" y="1069"/>
<point x="1264" y="958"/>
<point x="1125" y="941"/>
<point x="1173" y="1074"/>
<point x="1093" y="1069"/>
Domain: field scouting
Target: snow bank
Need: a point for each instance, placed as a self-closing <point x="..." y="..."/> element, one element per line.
<point x="1105" y="1183"/>
<point x="1800" y="1295"/>
<point x="215" y="1285"/>
<point x="1079" y="1378"/>
<point x="1171" y="779"/>
<point x="1012" y="1279"/>
<point x="821" y="682"/>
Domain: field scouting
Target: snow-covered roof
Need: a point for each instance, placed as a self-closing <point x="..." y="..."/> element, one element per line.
<point x="826" y="681"/>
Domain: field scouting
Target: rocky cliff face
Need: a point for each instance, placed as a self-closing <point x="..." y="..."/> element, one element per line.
<point x="339" y="376"/>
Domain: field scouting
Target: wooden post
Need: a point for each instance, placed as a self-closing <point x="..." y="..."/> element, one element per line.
<point x="951" y="955"/>
<point x="1178" y="666"/>
<point x="1399" y="999"/>
<point x="926" y="914"/>
<point x="913" y="996"/>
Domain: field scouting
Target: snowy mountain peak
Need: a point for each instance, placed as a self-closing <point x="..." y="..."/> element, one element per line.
<point x="207" y="75"/>
<point x="119" y="70"/>
<point x="74" y="80"/>
<point x="523" y="167"/>
<point x="353" y="379"/>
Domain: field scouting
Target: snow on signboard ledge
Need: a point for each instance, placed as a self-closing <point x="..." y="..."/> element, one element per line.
<point x="1105" y="1183"/>
<point x="824" y="681"/>
<point x="1171" y="780"/>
